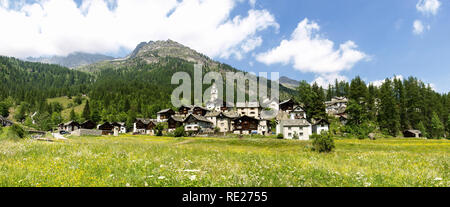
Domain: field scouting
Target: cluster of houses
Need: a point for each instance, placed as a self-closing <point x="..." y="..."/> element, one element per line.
<point x="89" y="126"/>
<point x="244" y="118"/>
<point x="337" y="108"/>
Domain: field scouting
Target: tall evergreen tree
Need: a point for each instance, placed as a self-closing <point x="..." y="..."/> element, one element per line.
<point x="73" y="116"/>
<point x="389" y="115"/>
<point x="448" y="126"/>
<point x="437" y="128"/>
<point x="95" y="116"/>
<point x="86" y="115"/>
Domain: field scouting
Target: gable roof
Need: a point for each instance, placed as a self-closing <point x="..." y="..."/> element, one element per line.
<point x="318" y="121"/>
<point x="144" y="121"/>
<point x="413" y="131"/>
<point x="71" y="123"/>
<point x="165" y="111"/>
<point x="295" y="122"/>
<point x="177" y="118"/>
<point x="198" y="118"/>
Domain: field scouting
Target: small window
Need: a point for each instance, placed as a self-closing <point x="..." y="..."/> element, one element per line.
<point x="289" y="128"/>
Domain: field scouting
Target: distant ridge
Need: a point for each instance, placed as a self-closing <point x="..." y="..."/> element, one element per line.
<point x="72" y="60"/>
<point x="288" y="82"/>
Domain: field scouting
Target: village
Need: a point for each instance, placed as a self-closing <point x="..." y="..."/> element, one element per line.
<point x="246" y="118"/>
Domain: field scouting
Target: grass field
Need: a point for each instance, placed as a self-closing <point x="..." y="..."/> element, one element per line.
<point x="160" y="161"/>
<point x="65" y="101"/>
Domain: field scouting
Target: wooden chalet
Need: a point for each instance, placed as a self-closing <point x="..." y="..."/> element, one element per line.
<point x="412" y="133"/>
<point x="106" y="128"/>
<point x="245" y="124"/>
<point x="69" y="126"/>
<point x="143" y="126"/>
<point x="184" y="110"/>
<point x="121" y="125"/>
<point x="165" y="114"/>
<point x="288" y="105"/>
<point x="196" y="123"/>
<point x="88" y="125"/>
<point x="175" y="122"/>
<point x="200" y="111"/>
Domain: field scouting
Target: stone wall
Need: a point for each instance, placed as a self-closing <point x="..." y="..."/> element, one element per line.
<point x="87" y="132"/>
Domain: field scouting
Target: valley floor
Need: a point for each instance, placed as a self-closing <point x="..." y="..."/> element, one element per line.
<point x="161" y="161"/>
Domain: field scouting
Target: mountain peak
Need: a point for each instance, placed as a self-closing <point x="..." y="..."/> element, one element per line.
<point x="152" y="51"/>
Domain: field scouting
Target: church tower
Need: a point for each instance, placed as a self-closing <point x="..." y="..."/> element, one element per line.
<point x="214" y="93"/>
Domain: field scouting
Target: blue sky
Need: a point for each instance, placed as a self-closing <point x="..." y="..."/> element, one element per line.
<point x="332" y="39"/>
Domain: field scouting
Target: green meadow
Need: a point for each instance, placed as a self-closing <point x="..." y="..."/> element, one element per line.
<point x="164" y="161"/>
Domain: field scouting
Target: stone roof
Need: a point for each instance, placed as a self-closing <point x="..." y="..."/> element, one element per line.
<point x="197" y="117"/>
<point x="414" y="131"/>
<point x="247" y="104"/>
<point x="295" y="122"/>
<point x="164" y="111"/>
<point x="145" y="121"/>
<point x="178" y="118"/>
<point x="230" y="114"/>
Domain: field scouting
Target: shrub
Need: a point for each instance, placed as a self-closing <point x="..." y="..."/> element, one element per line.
<point x="216" y="130"/>
<point x="295" y="136"/>
<point x="159" y="129"/>
<point x="323" y="143"/>
<point x="18" y="131"/>
<point x="179" y="132"/>
<point x="280" y="136"/>
<point x="13" y="132"/>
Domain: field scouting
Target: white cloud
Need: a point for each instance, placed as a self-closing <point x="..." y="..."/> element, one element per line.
<point x="418" y="27"/>
<point x="252" y="3"/>
<point x="59" y="27"/>
<point x="251" y="44"/>
<point x="310" y="52"/>
<point x="428" y="7"/>
<point x="325" y="80"/>
<point x="378" y="83"/>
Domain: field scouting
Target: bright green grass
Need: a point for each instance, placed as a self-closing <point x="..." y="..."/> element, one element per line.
<point x="65" y="101"/>
<point x="160" y="161"/>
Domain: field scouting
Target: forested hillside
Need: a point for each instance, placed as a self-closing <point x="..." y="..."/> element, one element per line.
<point x="395" y="106"/>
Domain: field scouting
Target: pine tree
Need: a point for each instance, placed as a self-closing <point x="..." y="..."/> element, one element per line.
<point x="437" y="128"/>
<point x="421" y="128"/>
<point x="4" y="109"/>
<point x="73" y="116"/>
<point x="56" y="118"/>
<point x="86" y="111"/>
<point x="95" y="116"/>
<point x="448" y="126"/>
<point x="389" y="116"/>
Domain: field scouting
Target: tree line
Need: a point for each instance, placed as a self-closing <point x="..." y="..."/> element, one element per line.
<point x="395" y="106"/>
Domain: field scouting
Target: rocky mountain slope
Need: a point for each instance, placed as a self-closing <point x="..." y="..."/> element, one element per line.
<point x="288" y="82"/>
